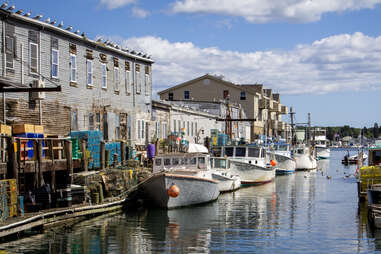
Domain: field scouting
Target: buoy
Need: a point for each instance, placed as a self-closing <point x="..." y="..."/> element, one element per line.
<point x="273" y="163"/>
<point x="328" y="177"/>
<point x="173" y="191"/>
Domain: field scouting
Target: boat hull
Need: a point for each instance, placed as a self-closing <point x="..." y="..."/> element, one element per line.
<point x="323" y="153"/>
<point x="305" y="162"/>
<point x="193" y="190"/>
<point x="226" y="183"/>
<point x="285" y="164"/>
<point x="251" y="174"/>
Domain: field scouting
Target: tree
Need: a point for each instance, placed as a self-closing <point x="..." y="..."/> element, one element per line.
<point x="375" y="130"/>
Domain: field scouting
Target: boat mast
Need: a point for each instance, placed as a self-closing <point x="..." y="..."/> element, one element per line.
<point x="293" y="138"/>
<point x="309" y="130"/>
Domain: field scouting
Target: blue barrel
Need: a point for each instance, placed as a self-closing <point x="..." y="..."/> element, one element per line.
<point x="21" y="205"/>
<point x="150" y="151"/>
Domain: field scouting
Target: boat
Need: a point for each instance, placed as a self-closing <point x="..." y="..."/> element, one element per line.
<point x="221" y="172"/>
<point x="283" y="156"/>
<point x="250" y="162"/>
<point x="321" y="143"/>
<point x="179" y="180"/>
<point x="304" y="158"/>
<point x="353" y="159"/>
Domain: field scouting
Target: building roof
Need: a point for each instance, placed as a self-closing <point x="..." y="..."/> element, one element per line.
<point x="218" y="79"/>
<point x="51" y="26"/>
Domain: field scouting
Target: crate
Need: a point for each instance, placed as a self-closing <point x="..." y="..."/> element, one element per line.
<point x="39" y="129"/>
<point x="6" y="129"/>
<point x="22" y="128"/>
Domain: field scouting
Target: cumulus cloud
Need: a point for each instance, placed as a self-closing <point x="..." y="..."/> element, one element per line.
<point x="113" y="4"/>
<point x="349" y="62"/>
<point x="139" y="13"/>
<point x="263" y="11"/>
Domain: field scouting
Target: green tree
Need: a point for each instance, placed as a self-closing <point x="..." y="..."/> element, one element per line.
<point x="375" y="130"/>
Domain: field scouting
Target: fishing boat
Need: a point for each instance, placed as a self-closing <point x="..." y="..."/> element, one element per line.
<point x="321" y="143"/>
<point x="179" y="180"/>
<point x="283" y="156"/>
<point x="250" y="162"/>
<point x="353" y="159"/>
<point x="221" y="172"/>
<point x="304" y="158"/>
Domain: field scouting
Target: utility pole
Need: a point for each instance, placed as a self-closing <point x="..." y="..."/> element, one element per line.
<point x="293" y="138"/>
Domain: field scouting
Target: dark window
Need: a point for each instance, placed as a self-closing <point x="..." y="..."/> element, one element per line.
<point x="167" y="162"/>
<point x="201" y="160"/>
<point x="193" y="161"/>
<point x="243" y="96"/>
<point x="240" y="151"/>
<point x="226" y="94"/>
<point x="170" y="96"/>
<point x="175" y="161"/>
<point x="74" y="120"/>
<point x="229" y="151"/>
<point x="186" y="95"/>
<point x="253" y="152"/>
<point x="158" y="162"/>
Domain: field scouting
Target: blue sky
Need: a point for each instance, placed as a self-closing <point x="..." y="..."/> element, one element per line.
<point x="322" y="56"/>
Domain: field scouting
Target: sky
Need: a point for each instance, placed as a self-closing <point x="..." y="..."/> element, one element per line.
<point x="322" y="56"/>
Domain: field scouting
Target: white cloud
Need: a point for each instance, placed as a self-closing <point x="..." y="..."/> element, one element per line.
<point x="139" y="13"/>
<point x="263" y="11"/>
<point x="112" y="4"/>
<point x="337" y="63"/>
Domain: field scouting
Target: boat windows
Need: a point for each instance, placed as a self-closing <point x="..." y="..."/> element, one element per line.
<point x="175" y="161"/>
<point x="183" y="161"/>
<point x="201" y="160"/>
<point x="253" y="152"/>
<point x="282" y="148"/>
<point x="240" y="151"/>
<point x="300" y="151"/>
<point x="229" y="151"/>
<point x="167" y="162"/>
<point x="219" y="163"/>
<point x="263" y="153"/>
<point x="158" y="162"/>
<point x="193" y="161"/>
<point x="216" y="151"/>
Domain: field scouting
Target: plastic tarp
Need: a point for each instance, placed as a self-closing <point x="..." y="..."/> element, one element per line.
<point x="196" y="148"/>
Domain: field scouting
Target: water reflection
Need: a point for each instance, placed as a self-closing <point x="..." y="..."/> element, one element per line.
<point x="306" y="212"/>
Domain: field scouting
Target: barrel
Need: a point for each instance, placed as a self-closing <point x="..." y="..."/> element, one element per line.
<point x="150" y="151"/>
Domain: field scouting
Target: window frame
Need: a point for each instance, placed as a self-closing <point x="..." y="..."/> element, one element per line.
<point x="12" y="52"/>
<point x="186" y="95"/>
<point x="30" y="57"/>
<point x="73" y="56"/>
<point x="127" y="82"/>
<point x="242" y="96"/>
<point x="103" y="76"/>
<point x="55" y="64"/>
<point x="89" y="63"/>
<point x="116" y="78"/>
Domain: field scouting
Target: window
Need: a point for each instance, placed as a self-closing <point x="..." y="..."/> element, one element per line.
<point x="253" y="152"/>
<point x="226" y="94"/>
<point x="174" y="125"/>
<point x="187" y="128"/>
<point x="104" y="76"/>
<point x="116" y="78"/>
<point x="175" y="161"/>
<point x="127" y="83"/>
<point x="147" y="85"/>
<point x="73" y="68"/>
<point x="201" y="160"/>
<point x="54" y="63"/>
<point x="179" y="125"/>
<point x="89" y="64"/>
<point x="98" y="120"/>
<point x="170" y="96"/>
<point x="167" y="162"/>
<point x="240" y="151"/>
<point x="33" y="57"/>
<point x="229" y="151"/>
<point x="157" y="162"/>
<point x="243" y="96"/>
<point x="138" y="81"/>
<point x="192" y="129"/>
<point x="91" y="121"/>
<point x="164" y="132"/>
<point x="117" y="126"/>
<point x="139" y="127"/>
<point x="186" y="95"/>
<point x="142" y="130"/>
<point x="193" y="161"/>
<point x="74" y="120"/>
<point x="9" y="51"/>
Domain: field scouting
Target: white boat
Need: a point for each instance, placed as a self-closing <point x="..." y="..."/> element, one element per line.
<point x="249" y="162"/>
<point x="304" y="158"/>
<point x="179" y="180"/>
<point x="285" y="162"/>
<point x="221" y="172"/>
<point x="321" y="143"/>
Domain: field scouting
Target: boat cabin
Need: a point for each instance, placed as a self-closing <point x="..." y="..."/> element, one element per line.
<point x="374" y="156"/>
<point x="219" y="163"/>
<point x="181" y="161"/>
<point x="239" y="152"/>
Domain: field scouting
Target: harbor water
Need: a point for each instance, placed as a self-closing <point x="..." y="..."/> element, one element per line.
<point x="306" y="212"/>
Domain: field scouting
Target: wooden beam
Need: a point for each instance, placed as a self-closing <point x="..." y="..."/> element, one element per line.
<point x="30" y="89"/>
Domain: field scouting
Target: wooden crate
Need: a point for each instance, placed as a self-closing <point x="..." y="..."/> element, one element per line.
<point x="6" y="129"/>
<point x="39" y="129"/>
<point x="23" y="128"/>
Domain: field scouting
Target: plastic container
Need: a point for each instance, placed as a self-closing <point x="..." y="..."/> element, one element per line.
<point x="151" y="151"/>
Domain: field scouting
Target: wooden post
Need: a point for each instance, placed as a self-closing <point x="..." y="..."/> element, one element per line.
<point x="53" y="174"/>
<point x="39" y="160"/>
<point x="69" y="161"/>
<point x="103" y="154"/>
<point x="36" y="183"/>
<point x="115" y="159"/>
<point x="12" y="171"/>
<point x="122" y="152"/>
<point x="85" y="159"/>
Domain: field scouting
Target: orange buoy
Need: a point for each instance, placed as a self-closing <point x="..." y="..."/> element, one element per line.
<point x="173" y="191"/>
<point x="273" y="163"/>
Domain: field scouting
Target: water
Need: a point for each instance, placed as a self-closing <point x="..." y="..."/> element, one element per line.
<point x="306" y="212"/>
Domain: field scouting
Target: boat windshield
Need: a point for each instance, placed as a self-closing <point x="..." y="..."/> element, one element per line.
<point x="300" y="151"/>
<point x="283" y="148"/>
<point x="193" y="161"/>
<point x="220" y="163"/>
<point x="253" y="152"/>
<point x="240" y="151"/>
<point x="229" y="151"/>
